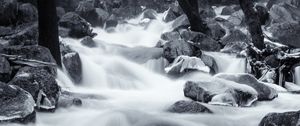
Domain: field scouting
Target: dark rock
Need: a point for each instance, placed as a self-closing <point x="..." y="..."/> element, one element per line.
<point x="200" y="40"/>
<point x="8" y="11"/>
<point x="40" y="84"/>
<point x="228" y="10"/>
<point x="181" y="22"/>
<point x="173" y="49"/>
<point x="5" y="31"/>
<point x="25" y="34"/>
<point x="77" y="25"/>
<point x="88" y="41"/>
<point x="60" y="12"/>
<point x="263" y="14"/>
<point x="149" y="13"/>
<point x="219" y="91"/>
<point x="73" y="65"/>
<point x="235" y="47"/>
<point x="188" y="107"/>
<point x="216" y="30"/>
<point x="16" y="105"/>
<point x="264" y="92"/>
<point x="5" y="70"/>
<point x="234" y="36"/>
<point x="284" y="13"/>
<point x="111" y="22"/>
<point x="286" y="33"/>
<point x="281" y="119"/>
<point x="210" y="62"/>
<point x="168" y="36"/>
<point x="27" y="13"/>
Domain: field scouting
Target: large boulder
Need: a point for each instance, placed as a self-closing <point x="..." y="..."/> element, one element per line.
<point x="200" y="40"/>
<point x="40" y="84"/>
<point x="78" y="27"/>
<point x="5" y="70"/>
<point x="281" y="119"/>
<point x="27" y="13"/>
<point x="17" y="105"/>
<point x="284" y="13"/>
<point x="286" y="33"/>
<point x="220" y="92"/>
<point x="73" y="65"/>
<point x="8" y="11"/>
<point x="188" y="107"/>
<point x="173" y="49"/>
<point x="234" y="47"/>
<point x="264" y="92"/>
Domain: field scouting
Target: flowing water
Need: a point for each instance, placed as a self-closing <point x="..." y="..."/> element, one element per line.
<point x="134" y="93"/>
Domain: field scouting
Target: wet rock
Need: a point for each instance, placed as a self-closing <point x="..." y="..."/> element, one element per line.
<point x="149" y="13"/>
<point x="221" y="92"/>
<point x="234" y="36"/>
<point x="188" y="107"/>
<point x="60" y="12"/>
<point x="88" y="41"/>
<point x="77" y="25"/>
<point x="234" y="47"/>
<point x="173" y="49"/>
<point x="66" y="99"/>
<point x="40" y="84"/>
<point x="16" y="105"/>
<point x="264" y="92"/>
<point x="216" y="30"/>
<point x="286" y="33"/>
<point x="181" y="22"/>
<point x="27" y="13"/>
<point x="8" y="11"/>
<point x="228" y="10"/>
<point x="210" y="62"/>
<point x="200" y="40"/>
<point x="73" y="65"/>
<point x="185" y="64"/>
<point x="111" y="22"/>
<point x="5" y="70"/>
<point x="281" y="119"/>
<point x="168" y="36"/>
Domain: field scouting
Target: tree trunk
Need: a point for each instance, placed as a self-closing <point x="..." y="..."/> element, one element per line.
<point x="253" y="22"/>
<point x="191" y="9"/>
<point x="48" y="28"/>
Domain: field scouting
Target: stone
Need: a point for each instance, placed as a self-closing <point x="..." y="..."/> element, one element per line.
<point x="27" y="13"/>
<point x="234" y="47"/>
<point x="5" y="70"/>
<point x="281" y="119"/>
<point x="227" y="10"/>
<point x="40" y="84"/>
<point x="168" y="36"/>
<point x="88" y="41"/>
<point x="286" y="33"/>
<point x="237" y="18"/>
<point x="17" y="105"/>
<point x="181" y="22"/>
<point x="73" y="65"/>
<point x="234" y="36"/>
<point x="173" y="49"/>
<point x="25" y="34"/>
<point x="149" y="13"/>
<point x="184" y="106"/>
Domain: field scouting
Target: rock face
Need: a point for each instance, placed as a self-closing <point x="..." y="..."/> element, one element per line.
<point x="73" y="65"/>
<point x="188" y="107"/>
<point x="200" y="40"/>
<point x="281" y="119"/>
<point x="173" y="49"/>
<point x="17" y="105"/>
<point x="8" y="9"/>
<point x="40" y="84"/>
<point x="185" y="63"/>
<point x="264" y="92"/>
<point x="5" y="70"/>
<point x="287" y="33"/>
<point x="78" y="27"/>
<point x="219" y="91"/>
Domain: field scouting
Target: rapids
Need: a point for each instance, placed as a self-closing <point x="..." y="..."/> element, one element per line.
<point x="138" y="93"/>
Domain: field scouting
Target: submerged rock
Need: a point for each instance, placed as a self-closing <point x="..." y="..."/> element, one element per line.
<point x="188" y="107"/>
<point x="281" y="119"/>
<point x="173" y="49"/>
<point x="73" y="65"/>
<point x="221" y="92"/>
<point x="88" y="41"/>
<point x="78" y="27"/>
<point x="185" y="63"/>
<point x="16" y="105"/>
<point x="264" y="92"/>
<point x="40" y="84"/>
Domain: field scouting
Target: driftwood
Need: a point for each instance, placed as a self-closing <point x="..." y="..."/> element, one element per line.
<point x="29" y="62"/>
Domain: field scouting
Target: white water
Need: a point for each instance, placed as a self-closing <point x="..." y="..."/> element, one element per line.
<point x="135" y="94"/>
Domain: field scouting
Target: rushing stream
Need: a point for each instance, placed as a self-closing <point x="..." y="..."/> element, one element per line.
<point x="131" y="93"/>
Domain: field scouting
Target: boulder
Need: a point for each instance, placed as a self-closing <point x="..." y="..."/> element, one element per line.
<point x="286" y="33"/>
<point x="216" y="30"/>
<point x="68" y="5"/>
<point x="234" y="47"/>
<point x="237" y="18"/>
<point x="25" y="34"/>
<point x="284" y="13"/>
<point x="227" y="10"/>
<point x="173" y="12"/>
<point x="210" y="62"/>
<point x="188" y="107"/>
<point x="281" y="119"/>
<point x="40" y="84"/>
<point x="173" y="49"/>
<point x="149" y="14"/>
<point x="264" y="92"/>
<point x="200" y="40"/>
<point x="220" y="92"/>
<point x="17" y="105"/>
<point x="27" y="13"/>
<point x="111" y="22"/>
<point x="234" y="36"/>
<point x="185" y="64"/>
<point x="5" y="70"/>
<point x="181" y="22"/>
<point x="168" y="36"/>
<point x="88" y="41"/>
<point x="8" y="11"/>
<point x="77" y="25"/>
<point x="73" y="65"/>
